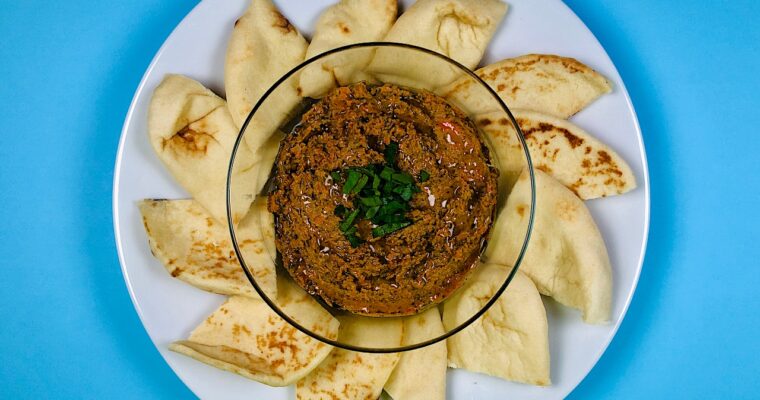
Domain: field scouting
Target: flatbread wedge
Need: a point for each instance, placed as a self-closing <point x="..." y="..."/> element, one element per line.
<point x="566" y="257"/>
<point x="263" y="46"/>
<point x="581" y="162"/>
<point x="246" y="337"/>
<point x="460" y="29"/>
<point x="351" y="375"/>
<point x="511" y="340"/>
<point x="195" y="248"/>
<point x="421" y="373"/>
<point x="191" y="131"/>
<point x="344" y="23"/>
<point x="549" y="84"/>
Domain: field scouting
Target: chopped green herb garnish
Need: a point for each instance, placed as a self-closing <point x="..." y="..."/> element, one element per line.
<point x="403" y="178"/>
<point x="394" y="206"/>
<point x="386" y="173"/>
<point x="371" y="212"/>
<point x="371" y="201"/>
<point x="381" y="219"/>
<point x="383" y="230"/>
<point x="360" y="185"/>
<point x="391" y="152"/>
<point x="380" y="193"/>
<point x="348" y="222"/>
<point x="406" y="194"/>
<point x="351" y="181"/>
<point x="354" y="240"/>
<point x="340" y="210"/>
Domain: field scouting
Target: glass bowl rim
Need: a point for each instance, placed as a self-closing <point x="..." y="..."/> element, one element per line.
<point x="337" y="342"/>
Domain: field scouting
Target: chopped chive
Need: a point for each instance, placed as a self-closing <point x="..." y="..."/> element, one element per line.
<point x="388" y="188"/>
<point x="348" y="222"/>
<point x="382" y="193"/>
<point x="351" y="181"/>
<point x="403" y="178"/>
<point x="391" y="152"/>
<point x="391" y="218"/>
<point x="371" y="212"/>
<point x="360" y="184"/>
<point x="371" y="201"/>
<point x="354" y="240"/>
<point x="406" y="194"/>
<point x="383" y="230"/>
<point x="394" y="206"/>
<point x="400" y="218"/>
<point x="386" y="173"/>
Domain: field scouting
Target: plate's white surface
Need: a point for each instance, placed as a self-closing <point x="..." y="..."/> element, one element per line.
<point x="169" y="308"/>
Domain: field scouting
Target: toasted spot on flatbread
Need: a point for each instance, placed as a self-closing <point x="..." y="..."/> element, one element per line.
<point x="549" y="84"/>
<point x="460" y="29"/>
<point x="263" y="46"/>
<point x="192" y="133"/>
<point x="351" y="375"/>
<point x="201" y="254"/>
<point x="281" y="22"/>
<point x="246" y="337"/>
<point x="563" y="150"/>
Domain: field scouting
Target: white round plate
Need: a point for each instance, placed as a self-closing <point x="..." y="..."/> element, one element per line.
<point x="170" y="309"/>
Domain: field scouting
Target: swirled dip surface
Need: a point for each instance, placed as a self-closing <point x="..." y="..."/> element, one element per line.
<point x="412" y="268"/>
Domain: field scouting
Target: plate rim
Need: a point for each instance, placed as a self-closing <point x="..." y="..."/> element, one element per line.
<point x="115" y="190"/>
<point x="647" y="201"/>
<point x="115" y="206"/>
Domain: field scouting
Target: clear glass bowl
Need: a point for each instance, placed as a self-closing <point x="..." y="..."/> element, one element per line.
<point x="280" y="108"/>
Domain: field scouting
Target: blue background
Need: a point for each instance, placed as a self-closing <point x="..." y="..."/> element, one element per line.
<point x="69" y="69"/>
